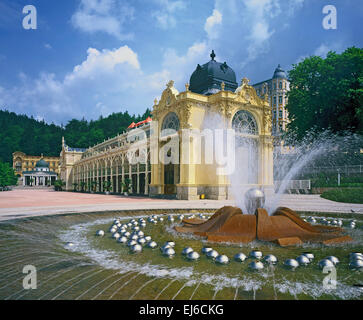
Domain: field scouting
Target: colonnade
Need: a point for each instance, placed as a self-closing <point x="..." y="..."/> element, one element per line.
<point x="90" y="174"/>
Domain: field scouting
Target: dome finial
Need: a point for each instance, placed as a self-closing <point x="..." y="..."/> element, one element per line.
<point x="213" y="55"/>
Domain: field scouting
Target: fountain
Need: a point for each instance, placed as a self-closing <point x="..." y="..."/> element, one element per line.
<point x="283" y="227"/>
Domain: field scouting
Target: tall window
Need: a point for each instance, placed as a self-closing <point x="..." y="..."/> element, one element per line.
<point x="170" y="124"/>
<point x="275" y="100"/>
<point x="280" y="99"/>
<point x="244" y="122"/>
<point x="280" y="113"/>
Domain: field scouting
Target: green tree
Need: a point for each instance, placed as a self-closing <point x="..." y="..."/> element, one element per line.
<point x="23" y="133"/>
<point x="327" y="94"/>
<point x="7" y="175"/>
<point x="58" y="184"/>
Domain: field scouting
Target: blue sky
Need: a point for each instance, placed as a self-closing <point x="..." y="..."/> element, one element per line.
<point x="93" y="57"/>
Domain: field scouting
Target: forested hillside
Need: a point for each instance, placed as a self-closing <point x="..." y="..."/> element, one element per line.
<point x="33" y="137"/>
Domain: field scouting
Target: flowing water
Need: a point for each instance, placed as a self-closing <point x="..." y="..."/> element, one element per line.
<point x="101" y="268"/>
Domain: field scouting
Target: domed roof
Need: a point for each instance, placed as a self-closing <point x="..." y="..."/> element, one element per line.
<point x="42" y="164"/>
<point x="207" y="79"/>
<point x="279" y="73"/>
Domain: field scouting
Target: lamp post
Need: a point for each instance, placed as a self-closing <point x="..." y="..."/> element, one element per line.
<point x="338" y="177"/>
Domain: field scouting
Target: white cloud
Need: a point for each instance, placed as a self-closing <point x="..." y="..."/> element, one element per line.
<point x="322" y="50"/>
<point x="165" y="15"/>
<point x="106" y="81"/>
<point x="103" y="16"/>
<point x="252" y="23"/>
<point x="181" y="67"/>
<point x="212" y="23"/>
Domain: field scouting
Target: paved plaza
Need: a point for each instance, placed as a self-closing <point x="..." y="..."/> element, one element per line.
<point x="21" y="203"/>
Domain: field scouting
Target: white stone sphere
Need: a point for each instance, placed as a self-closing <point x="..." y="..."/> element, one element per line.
<point x="357" y="258"/>
<point x="309" y="255"/>
<point x="141" y="241"/>
<point x="130" y="243"/>
<point x="355" y="255"/>
<point x="136" y="248"/>
<point x="134" y="237"/>
<point x="333" y="259"/>
<point x="143" y="225"/>
<point x="240" y="257"/>
<point x="303" y="260"/>
<point x="148" y="238"/>
<point x="325" y="263"/>
<point x="136" y="228"/>
<point x="127" y="234"/>
<point x="122" y="239"/>
<point x="116" y="235"/>
<point x="270" y="258"/>
<point x="118" y="225"/>
<point x="152" y="244"/>
<point x="171" y="219"/>
<point x="212" y="254"/>
<point x="113" y="229"/>
<point x="122" y="230"/>
<point x="187" y="250"/>
<point x="311" y="220"/>
<point x="256" y="265"/>
<point x="193" y="255"/>
<point x="170" y="243"/>
<point x="129" y="224"/>
<point x="222" y="259"/>
<point x="154" y="222"/>
<point x="150" y="219"/>
<point x="68" y="245"/>
<point x="291" y="263"/>
<point x="356" y="264"/>
<point x="205" y="250"/>
<point x="169" y="252"/>
<point x="140" y="233"/>
<point x="164" y="247"/>
<point x="161" y="219"/>
<point x="352" y="225"/>
<point x="181" y="217"/>
<point x="100" y="233"/>
<point x="256" y="254"/>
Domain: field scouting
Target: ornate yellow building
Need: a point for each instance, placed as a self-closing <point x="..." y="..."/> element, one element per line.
<point x="178" y="134"/>
<point x="23" y="162"/>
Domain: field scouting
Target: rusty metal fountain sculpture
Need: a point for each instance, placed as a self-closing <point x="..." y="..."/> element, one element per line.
<point x="283" y="227"/>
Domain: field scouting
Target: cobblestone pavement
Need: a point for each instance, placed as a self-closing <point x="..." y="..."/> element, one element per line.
<point x="25" y="203"/>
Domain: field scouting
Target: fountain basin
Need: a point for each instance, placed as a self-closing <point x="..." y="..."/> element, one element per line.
<point x="283" y="227"/>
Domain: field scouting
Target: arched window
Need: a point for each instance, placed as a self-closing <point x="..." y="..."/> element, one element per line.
<point x="170" y="123"/>
<point x="244" y="122"/>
